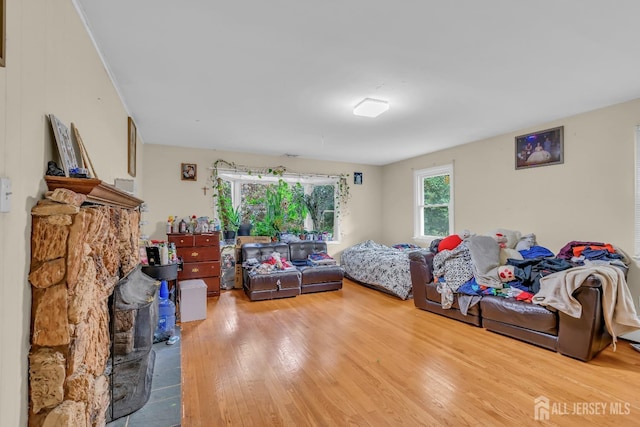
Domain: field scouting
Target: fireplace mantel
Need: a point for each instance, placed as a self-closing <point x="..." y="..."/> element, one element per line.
<point x="96" y="191"/>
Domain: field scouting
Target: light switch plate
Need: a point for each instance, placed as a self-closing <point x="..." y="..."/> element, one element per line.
<point x="5" y="194"/>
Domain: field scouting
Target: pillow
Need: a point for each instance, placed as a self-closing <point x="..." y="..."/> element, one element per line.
<point x="449" y="242"/>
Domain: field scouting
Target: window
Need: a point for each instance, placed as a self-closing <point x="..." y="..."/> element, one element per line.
<point x="637" y="199"/>
<point x="433" y="202"/>
<point x="318" y="192"/>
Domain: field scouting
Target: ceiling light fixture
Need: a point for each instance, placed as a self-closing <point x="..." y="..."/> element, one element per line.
<point x="370" y="107"/>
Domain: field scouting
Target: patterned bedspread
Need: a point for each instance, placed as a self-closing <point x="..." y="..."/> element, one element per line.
<point x="379" y="266"/>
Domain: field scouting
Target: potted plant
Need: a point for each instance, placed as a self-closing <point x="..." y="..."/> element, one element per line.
<point x="245" y="223"/>
<point x="229" y="216"/>
<point x="232" y="222"/>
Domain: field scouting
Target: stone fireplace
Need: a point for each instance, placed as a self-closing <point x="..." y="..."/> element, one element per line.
<point x="79" y="252"/>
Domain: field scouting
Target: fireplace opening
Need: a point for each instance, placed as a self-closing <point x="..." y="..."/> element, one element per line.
<point x="134" y="315"/>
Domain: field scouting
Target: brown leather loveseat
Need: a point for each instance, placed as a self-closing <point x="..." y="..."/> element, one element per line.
<point x="302" y="279"/>
<point x="581" y="338"/>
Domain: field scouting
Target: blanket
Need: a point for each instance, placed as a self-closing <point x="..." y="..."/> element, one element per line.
<point x="378" y="266"/>
<point x="485" y="257"/>
<point x="556" y="290"/>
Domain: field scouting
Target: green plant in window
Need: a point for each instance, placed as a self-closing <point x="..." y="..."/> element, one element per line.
<point x="282" y="207"/>
<point x="228" y="214"/>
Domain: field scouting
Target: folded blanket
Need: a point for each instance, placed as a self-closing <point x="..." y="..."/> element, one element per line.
<point x="556" y="290"/>
<point x="321" y="258"/>
<point x="485" y="258"/>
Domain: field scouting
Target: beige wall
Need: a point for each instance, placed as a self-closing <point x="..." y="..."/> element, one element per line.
<point x="590" y="197"/>
<point x="51" y="67"/>
<point x="166" y="194"/>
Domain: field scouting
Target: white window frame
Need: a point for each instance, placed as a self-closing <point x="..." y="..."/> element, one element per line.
<point x="418" y="217"/>
<point x="636" y="225"/>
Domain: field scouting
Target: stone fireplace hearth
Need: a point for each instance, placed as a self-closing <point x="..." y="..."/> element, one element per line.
<point x="78" y="254"/>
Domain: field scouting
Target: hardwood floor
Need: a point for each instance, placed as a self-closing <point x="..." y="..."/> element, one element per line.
<point x="358" y="357"/>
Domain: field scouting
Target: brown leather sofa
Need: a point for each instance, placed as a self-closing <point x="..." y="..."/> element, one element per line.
<point x="289" y="283"/>
<point x="580" y="339"/>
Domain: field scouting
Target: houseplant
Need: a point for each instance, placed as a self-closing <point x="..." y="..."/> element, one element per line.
<point x="231" y="221"/>
<point x="246" y="222"/>
<point x="229" y="216"/>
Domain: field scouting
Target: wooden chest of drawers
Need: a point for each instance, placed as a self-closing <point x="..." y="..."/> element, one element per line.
<point x="200" y="254"/>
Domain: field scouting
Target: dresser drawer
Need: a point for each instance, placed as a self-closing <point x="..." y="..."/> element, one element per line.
<point x="198" y="270"/>
<point x="199" y="253"/>
<point x="207" y="239"/>
<point x="181" y="240"/>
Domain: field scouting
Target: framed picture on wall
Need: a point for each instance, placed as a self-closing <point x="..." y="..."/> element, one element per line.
<point x="357" y="178"/>
<point x="131" y="144"/>
<point x="542" y="148"/>
<point x="189" y="171"/>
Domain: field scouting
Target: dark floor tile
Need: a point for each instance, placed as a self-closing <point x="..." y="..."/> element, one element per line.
<point x="164" y="408"/>
<point x="158" y="414"/>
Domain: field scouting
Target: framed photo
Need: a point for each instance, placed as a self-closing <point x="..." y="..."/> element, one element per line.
<point x="357" y="178"/>
<point x="542" y="148"/>
<point x="65" y="147"/>
<point x="131" y="144"/>
<point x="189" y="171"/>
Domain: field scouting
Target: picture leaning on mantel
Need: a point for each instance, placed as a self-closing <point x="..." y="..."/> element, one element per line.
<point x="542" y="148"/>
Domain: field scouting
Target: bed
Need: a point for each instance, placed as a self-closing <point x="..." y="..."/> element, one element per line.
<point x="380" y="267"/>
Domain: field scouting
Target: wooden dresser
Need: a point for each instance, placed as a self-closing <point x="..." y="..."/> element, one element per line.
<point x="201" y="256"/>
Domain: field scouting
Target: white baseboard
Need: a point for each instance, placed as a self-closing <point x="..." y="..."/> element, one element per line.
<point x="632" y="336"/>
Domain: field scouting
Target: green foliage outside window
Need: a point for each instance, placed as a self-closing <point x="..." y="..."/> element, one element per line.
<point x="437" y="193"/>
<point x="321" y="205"/>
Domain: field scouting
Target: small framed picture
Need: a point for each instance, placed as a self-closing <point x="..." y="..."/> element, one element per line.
<point x="357" y="178"/>
<point x="189" y="171"/>
<point x="542" y="148"/>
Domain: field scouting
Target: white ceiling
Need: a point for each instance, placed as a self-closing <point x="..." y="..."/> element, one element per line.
<point x="281" y="77"/>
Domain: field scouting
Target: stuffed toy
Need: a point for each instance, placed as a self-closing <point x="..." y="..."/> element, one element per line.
<point x="501" y="239"/>
<point x="512" y="236"/>
<point x="506" y="273"/>
<point x="505" y="251"/>
<point x="465" y="234"/>
<point x="526" y="242"/>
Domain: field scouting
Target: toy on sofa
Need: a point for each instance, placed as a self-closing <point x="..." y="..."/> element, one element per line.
<point x="506" y="273"/>
<point x="526" y="242"/>
<point x="501" y="239"/>
<point x="506" y="251"/>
